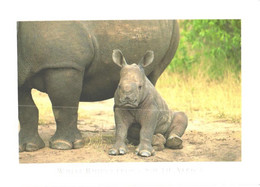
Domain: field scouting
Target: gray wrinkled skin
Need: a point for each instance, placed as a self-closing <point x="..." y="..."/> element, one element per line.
<point x="71" y="62"/>
<point x="141" y="114"/>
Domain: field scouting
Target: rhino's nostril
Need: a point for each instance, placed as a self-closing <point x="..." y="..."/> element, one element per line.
<point x="127" y="98"/>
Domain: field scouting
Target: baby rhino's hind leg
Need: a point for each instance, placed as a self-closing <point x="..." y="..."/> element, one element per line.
<point x="158" y="142"/>
<point x="177" y="129"/>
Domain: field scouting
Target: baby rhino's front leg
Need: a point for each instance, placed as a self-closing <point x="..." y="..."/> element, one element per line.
<point x="148" y="124"/>
<point x="123" y="120"/>
<point x="133" y="137"/>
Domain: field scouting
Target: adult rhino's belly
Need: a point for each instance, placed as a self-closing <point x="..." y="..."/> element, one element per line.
<point x="133" y="38"/>
<point x="98" y="88"/>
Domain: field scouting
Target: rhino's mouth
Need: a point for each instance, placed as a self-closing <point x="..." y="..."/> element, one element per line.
<point x="129" y="105"/>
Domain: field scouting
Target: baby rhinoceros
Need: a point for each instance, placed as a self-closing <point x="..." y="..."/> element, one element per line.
<point x="141" y="114"/>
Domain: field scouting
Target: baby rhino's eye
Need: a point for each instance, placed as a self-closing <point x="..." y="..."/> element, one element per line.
<point x="140" y="87"/>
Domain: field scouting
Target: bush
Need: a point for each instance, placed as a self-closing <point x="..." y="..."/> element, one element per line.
<point x="209" y="46"/>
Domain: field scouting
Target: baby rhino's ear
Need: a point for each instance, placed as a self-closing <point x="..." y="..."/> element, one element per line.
<point x="118" y="58"/>
<point x="147" y="59"/>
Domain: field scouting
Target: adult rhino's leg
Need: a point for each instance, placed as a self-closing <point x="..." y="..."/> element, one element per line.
<point x="64" y="88"/>
<point x="29" y="139"/>
<point x="176" y="130"/>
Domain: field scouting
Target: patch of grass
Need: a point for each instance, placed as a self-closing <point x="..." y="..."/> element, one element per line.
<point x="100" y="140"/>
<point x="201" y="97"/>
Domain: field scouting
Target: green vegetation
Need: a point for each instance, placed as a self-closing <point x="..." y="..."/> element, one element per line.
<point x="212" y="47"/>
<point x="204" y="78"/>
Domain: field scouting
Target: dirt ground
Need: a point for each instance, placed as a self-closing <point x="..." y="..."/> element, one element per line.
<point x="204" y="140"/>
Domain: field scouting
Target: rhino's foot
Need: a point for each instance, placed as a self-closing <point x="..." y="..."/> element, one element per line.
<point x="29" y="142"/>
<point x="66" y="144"/>
<point x="158" y="142"/>
<point x="145" y="152"/>
<point x="118" y="150"/>
<point x="158" y="147"/>
<point x="174" y="142"/>
<point x="72" y="141"/>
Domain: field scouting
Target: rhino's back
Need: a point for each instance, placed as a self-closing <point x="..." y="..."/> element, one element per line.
<point x="133" y="38"/>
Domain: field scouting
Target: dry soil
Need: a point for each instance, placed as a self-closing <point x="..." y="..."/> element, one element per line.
<point x="204" y="140"/>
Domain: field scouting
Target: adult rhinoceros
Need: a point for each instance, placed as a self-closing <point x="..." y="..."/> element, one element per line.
<point x="71" y="61"/>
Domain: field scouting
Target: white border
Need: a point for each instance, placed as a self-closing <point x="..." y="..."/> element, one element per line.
<point x="131" y="174"/>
